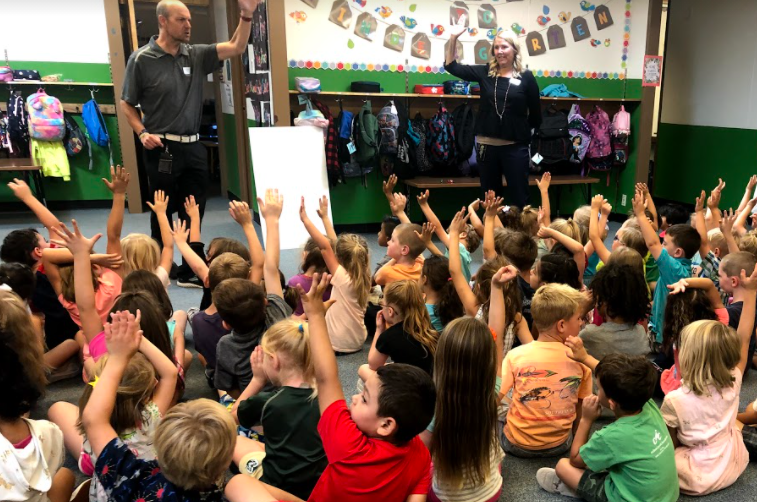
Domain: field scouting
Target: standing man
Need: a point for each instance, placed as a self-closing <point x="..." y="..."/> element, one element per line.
<point x="165" y="79"/>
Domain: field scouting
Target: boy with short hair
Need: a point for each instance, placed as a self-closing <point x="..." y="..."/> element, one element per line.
<point x="247" y="311"/>
<point x="404" y="249"/>
<point x="548" y="387"/>
<point x="373" y="448"/>
<point x="673" y="257"/>
<point x="730" y="284"/>
<point x="631" y="459"/>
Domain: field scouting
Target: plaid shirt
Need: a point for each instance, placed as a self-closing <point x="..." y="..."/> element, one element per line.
<point x="332" y="154"/>
<point x="710" y="269"/>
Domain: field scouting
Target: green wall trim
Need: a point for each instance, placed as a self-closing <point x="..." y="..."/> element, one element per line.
<point x="77" y="72"/>
<point x="692" y="158"/>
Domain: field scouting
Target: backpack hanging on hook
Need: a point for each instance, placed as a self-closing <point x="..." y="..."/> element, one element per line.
<point x="97" y="131"/>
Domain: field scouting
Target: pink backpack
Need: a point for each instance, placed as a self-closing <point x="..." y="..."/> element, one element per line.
<point x="621" y="130"/>
<point x="600" y="134"/>
<point x="46" y="120"/>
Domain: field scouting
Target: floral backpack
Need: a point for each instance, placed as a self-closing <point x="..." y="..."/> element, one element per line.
<point x="599" y="156"/>
<point x="46" y="121"/>
<point x="580" y="134"/>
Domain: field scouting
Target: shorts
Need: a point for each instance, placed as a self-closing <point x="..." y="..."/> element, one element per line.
<point x="591" y="487"/>
<point x="228" y="402"/>
<point x="517" y="451"/>
<point x="749" y="433"/>
<point x="252" y="464"/>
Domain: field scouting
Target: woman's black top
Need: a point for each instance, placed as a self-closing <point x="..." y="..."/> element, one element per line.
<point x="522" y="110"/>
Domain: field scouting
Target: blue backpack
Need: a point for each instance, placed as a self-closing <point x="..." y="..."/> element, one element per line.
<point x="97" y="132"/>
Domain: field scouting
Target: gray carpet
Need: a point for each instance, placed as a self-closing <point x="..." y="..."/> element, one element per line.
<point x="519" y="475"/>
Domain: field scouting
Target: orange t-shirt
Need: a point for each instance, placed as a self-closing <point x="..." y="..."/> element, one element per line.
<point x="105" y="296"/>
<point x="393" y="272"/>
<point x="546" y="388"/>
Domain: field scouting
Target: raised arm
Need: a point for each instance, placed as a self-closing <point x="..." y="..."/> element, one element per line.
<point x="180" y="235"/>
<point x="704" y="246"/>
<point x="324" y="360"/>
<point x="388" y="187"/>
<point x="497" y="317"/>
<point x="747" y="192"/>
<point x="543" y="185"/>
<point x="478" y="225"/>
<point x="167" y="374"/>
<point x="193" y="212"/>
<point x="594" y="233"/>
<point x="160" y="207"/>
<point x="726" y="227"/>
<point x="703" y="283"/>
<point x="492" y="206"/>
<point x="431" y="217"/>
<point x="271" y="209"/>
<point x="119" y="181"/>
<point x="397" y="205"/>
<point x="123" y="339"/>
<point x="651" y="239"/>
<point x="648" y="203"/>
<point x="238" y="42"/>
<point x="23" y="193"/>
<point x="740" y="224"/>
<point x="456" y="265"/>
<point x="323" y="213"/>
<point x="746" y="323"/>
<point x="713" y="203"/>
<point x="240" y="212"/>
<point x="425" y="236"/>
<point x="85" y="292"/>
<point x="323" y="243"/>
<point x="572" y="245"/>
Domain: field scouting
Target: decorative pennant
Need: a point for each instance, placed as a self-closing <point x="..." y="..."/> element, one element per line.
<point x="580" y="29"/>
<point x="535" y="44"/>
<point x="394" y="38"/>
<point x="555" y="37"/>
<point x="482" y="51"/>
<point x="602" y="17"/>
<point x="365" y="26"/>
<point x="487" y="16"/>
<point x="420" y="46"/>
<point x="459" y="14"/>
<point x="459" y="55"/>
<point x="311" y="3"/>
<point x="341" y="14"/>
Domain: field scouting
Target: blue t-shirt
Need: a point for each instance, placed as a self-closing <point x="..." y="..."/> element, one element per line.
<point x="671" y="270"/>
<point x="126" y="477"/>
<point x="436" y="322"/>
<point x="465" y="259"/>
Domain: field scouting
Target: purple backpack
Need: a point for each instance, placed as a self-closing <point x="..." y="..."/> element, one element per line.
<point x="600" y="134"/>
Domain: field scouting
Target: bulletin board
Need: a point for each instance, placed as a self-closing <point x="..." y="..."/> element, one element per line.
<point x="563" y="38"/>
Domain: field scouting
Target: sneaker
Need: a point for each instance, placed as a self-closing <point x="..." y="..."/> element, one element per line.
<point x="191" y="282"/>
<point x="548" y="480"/>
<point x="191" y="311"/>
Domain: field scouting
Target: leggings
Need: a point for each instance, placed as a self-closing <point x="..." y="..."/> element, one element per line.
<point x="510" y="161"/>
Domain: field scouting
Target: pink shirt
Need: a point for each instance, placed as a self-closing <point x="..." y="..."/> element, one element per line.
<point x="105" y="296"/>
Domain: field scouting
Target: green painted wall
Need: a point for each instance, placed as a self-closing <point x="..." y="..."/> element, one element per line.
<point x="84" y="184"/>
<point x="232" y="159"/>
<point x="354" y="204"/>
<point x="692" y="158"/>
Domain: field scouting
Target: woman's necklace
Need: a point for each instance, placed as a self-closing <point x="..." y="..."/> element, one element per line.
<point x="496" y="105"/>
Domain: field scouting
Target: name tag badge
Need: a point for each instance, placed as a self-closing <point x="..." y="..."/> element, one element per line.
<point x="515" y="81"/>
<point x="187" y="70"/>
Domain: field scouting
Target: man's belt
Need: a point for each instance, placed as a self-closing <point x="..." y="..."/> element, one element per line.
<point x="180" y="139"/>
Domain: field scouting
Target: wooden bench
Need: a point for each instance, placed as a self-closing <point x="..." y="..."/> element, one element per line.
<point x="558" y="180"/>
<point x="27" y="168"/>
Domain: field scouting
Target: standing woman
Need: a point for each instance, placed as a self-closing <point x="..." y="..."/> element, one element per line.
<point x="509" y="110"/>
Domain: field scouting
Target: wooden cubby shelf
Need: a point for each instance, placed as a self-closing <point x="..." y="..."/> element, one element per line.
<point x="448" y="96"/>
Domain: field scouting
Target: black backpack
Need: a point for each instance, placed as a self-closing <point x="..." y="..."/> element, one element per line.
<point x="74" y="139"/>
<point x="464" y="119"/>
<point x="420" y="153"/>
<point x="552" y="140"/>
<point x="18" y="122"/>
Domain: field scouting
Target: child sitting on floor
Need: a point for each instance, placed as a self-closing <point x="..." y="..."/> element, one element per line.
<point x="442" y="302"/>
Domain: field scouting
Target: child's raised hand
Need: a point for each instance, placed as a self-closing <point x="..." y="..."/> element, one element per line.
<point x="606" y="208"/>
<point x="751" y="183"/>
<point x="590" y="408"/>
<point x="323" y="207"/>
<point x="240" y="212"/>
<point x="749" y="282"/>
<point x="312" y="301"/>
<point x="638" y="204"/>
<point x="576" y="351"/>
<point x="423" y="198"/>
<point x="428" y="230"/>
<point x="179" y="232"/>
<point x="389" y="185"/>
<point x="544" y="182"/>
<point x="20" y="189"/>
<point x="492" y="206"/>
<point x="160" y="206"/>
<point x="678" y="287"/>
<point x="458" y="223"/>
<point x="642" y="187"/>
<point x="119" y="180"/>
<point x="713" y="201"/>
<point x="474" y="206"/>
<point x="256" y="363"/>
<point x="540" y="217"/>
<point x="699" y="203"/>
<point x="75" y="241"/>
<point x="503" y="276"/>
<point x="303" y="212"/>
<point x="191" y="208"/>
<point x="397" y="203"/>
<point x="273" y="204"/>
<point x="596" y="202"/>
<point x="122" y="334"/>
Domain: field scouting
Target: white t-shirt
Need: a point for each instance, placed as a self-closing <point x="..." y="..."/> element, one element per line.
<point x="345" y="318"/>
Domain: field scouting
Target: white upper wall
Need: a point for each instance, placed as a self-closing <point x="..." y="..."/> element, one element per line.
<point x="711" y="64"/>
<point x="72" y="31"/>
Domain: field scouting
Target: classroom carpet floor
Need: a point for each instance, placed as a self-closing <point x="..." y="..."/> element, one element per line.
<point x="519" y="474"/>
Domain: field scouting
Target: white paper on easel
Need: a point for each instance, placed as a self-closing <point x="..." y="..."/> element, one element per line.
<point x="227" y="98"/>
<point x="292" y="160"/>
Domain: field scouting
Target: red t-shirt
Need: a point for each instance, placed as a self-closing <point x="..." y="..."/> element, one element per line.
<point x="365" y="469"/>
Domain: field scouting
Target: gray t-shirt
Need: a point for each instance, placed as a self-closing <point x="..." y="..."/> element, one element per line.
<point x="167" y="88"/>
<point x="612" y="338"/>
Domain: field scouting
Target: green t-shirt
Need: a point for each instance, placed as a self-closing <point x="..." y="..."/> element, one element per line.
<point x="465" y="259"/>
<point x="639" y="456"/>
<point x="651" y="272"/>
<point x="294" y="453"/>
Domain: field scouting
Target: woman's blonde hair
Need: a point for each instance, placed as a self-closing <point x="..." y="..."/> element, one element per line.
<point x="133" y="393"/>
<point x="709" y="351"/>
<point x="290" y="340"/>
<point x="407" y="297"/>
<point x="352" y="253"/>
<point x="465" y="370"/>
<point x="195" y="442"/>
<point x="68" y="291"/>
<point x="567" y="227"/>
<point x="512" y="41"/>
<point x="140" y="252"/>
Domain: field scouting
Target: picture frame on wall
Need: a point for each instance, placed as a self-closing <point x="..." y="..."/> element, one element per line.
<point x="266" y="114"/>
<point x="652" y="72"/>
